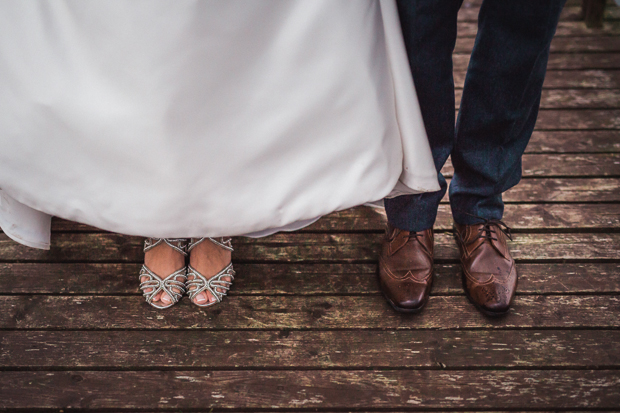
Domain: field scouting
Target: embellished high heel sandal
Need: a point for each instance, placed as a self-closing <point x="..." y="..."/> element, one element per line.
<point x="215" y="284"/>
<point x="173" y="284"/>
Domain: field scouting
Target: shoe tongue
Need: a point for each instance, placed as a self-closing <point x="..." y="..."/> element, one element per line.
<point x="399" y="241"/>
<point x="495" y="242"/>
<point x="499" y="246"/>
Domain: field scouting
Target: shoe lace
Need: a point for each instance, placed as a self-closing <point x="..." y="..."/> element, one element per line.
<point x="414" y="234"/>
<point x="487" y="231"/>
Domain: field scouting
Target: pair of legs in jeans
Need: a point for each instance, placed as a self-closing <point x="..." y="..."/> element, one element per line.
<point x="498" y="109"/>
<point x="497" y="114"/>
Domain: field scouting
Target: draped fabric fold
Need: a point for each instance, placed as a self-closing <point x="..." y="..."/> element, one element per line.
<point x="192" y="118"/>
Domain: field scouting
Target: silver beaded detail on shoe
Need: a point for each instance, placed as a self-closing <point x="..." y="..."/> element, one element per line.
<point x="217" y="286"/>
<point x="167" y="285"/>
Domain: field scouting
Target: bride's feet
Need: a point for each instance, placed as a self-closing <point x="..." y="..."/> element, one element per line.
<point x="210" y="270"/>
<point x="164" y="271"/>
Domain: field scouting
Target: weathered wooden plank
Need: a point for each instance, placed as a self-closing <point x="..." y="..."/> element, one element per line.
<point x="599" y="164"/>
<point x="570" y="13"/>
<point x="362" y="247"/>
<point x="300" y="279"/>
<point x="572" y="165"/>
<point x="565" y="29"/>
<point x="256" y="389"/>
<point x="519" y="217"/>
<point x="574" y="61"/>
<point x="596" y="79"/>
<point x="63" y="278"/>
<point x="567" y="79"/>
<point x="310" y="349"/>
<point x="564" y="190"/>
<point x="586" y="44"/>
<point x="574" y="141"/>
<point x="580" y="98"/>
<point x="569" y="3"/>
<point x="78" y="247"/>
<point x="571" y="119"/>
<point x="573" y="98"/>
<point x="295" y="312"/>
<point x="561" y="61"/>
<point x="574" y="13"/>
<point x="299" y="247"/>
<point x="561" y="217"/>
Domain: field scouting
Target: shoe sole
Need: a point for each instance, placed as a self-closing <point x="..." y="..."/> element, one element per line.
<point x="402" y="309"/>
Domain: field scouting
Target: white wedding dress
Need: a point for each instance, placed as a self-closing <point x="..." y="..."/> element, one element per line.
<point x="191" y="118"/>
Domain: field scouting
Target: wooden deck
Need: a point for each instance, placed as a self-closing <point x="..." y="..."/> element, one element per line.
<point x="305" y="328"/>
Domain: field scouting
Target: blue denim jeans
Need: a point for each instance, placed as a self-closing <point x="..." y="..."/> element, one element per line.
<point x="498" y="109"/>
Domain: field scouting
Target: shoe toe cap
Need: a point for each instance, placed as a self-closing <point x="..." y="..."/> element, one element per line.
<point x="497" y="299"/>
<point x="407" y="295"/>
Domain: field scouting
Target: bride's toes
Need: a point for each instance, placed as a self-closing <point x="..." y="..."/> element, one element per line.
<point x="165" y="298"/>
<point x="223" y="290"/>
<point x="157" y="296"/>
<point x="202" y="298"/>
<point x="207" y="261"/>
<point x="163" y="256"/>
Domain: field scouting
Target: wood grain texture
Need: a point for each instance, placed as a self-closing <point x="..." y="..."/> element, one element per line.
<point x="523" y="217"/>
<point x="574" y="141"/>
<point x="569" y="13"/>
<point x="311" y="389"/>
<point x="299" y="247"/>
<point x="580" y="98"/>
<point x="595" y="79"/>
<point x="425" y="349"/>
<point x="567" y="79"/>
<point x="564" y="190"/>
<point x="557" y="165"/>
<point x="557" y="217"/>
<point x="572" y="98"/>
<point x="605" y="44"/>
<point x="561" y="61"/>
<point x="565" y="29"/>
<point x="300" y="279"/>
<point x="293" y="312"/>
<point x="578" y="119"/>
<point x="554" y="119"/>
<point x="305" y="327"/>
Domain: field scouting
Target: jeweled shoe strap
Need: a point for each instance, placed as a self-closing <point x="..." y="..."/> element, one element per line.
<point x="178" y="244"/>
<point x="167" y="285"/>
<point x="211" y="284"/>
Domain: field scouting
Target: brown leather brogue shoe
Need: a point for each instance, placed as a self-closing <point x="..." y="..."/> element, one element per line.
<point x="406" y="268"/>
<point x="488" y="272"/>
